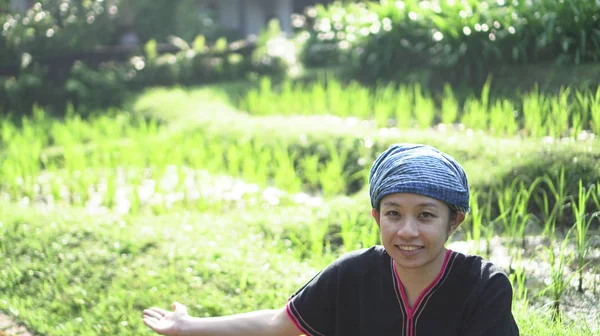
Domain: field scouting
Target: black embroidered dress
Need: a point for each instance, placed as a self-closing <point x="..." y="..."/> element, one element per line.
<point x="362" y="294"/>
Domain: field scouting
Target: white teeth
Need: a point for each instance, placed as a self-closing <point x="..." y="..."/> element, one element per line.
<point x="409" y="248"/>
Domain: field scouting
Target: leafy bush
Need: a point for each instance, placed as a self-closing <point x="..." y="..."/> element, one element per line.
<point x="463" y="39"/>
<point x="333" y="31"/>
<point x="186" y="19"/>
<point x="104" y="86"/>
<point x="53" y="27"/>
<point x="108" y="84"/>
<point x="16" y="92"/>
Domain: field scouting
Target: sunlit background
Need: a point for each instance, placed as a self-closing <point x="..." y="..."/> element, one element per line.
<point x="216" y="153"/>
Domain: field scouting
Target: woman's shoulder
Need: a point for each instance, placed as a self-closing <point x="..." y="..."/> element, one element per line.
<point x="476" y="267"/>
<point x="365" y="254"/>
<point x="363" y="259"/>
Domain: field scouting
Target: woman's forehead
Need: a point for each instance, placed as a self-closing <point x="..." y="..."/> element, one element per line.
<point x="411" y="200"/>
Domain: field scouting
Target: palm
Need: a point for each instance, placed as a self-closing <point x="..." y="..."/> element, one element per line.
<point x="162" y="321"/>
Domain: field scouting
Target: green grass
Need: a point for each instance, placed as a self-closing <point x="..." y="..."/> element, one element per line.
<point x="531" y="113"/>
<point x="70" y="273"/>
<point x="73" y="273"/>
<point x="105" y="216"/>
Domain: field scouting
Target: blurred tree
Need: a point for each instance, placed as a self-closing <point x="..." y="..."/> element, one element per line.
<point x="157" y="20"/>
<point x="153" y="19"/>
<point x="4" y="6"/>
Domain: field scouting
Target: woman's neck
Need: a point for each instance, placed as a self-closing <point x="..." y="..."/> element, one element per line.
<point x="417" y="279"/>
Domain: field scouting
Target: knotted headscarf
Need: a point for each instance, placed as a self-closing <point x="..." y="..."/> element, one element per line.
<point x="419" y="169"/>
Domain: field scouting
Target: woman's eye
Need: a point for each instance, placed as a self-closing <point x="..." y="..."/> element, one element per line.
<point x="427" y="215"/>
<point x="393" y="213"/>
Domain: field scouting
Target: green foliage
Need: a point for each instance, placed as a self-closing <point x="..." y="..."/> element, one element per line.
<point x="52" y="27"/>
<point x="461" y="40"/>
<point x="108" y="84"/>
<point x="4" y="6"/>
<point x="531" y="113"/>
<point x="332" y="32"/>
<point x="154" y="20"/>
<point x="150" y="50"/>
<point x="184" y="18"/>
<point x="60" y="28"/>
<point x="271" y="55"/>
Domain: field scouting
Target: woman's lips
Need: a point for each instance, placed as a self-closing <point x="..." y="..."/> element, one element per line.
<point x="409" y="250"/>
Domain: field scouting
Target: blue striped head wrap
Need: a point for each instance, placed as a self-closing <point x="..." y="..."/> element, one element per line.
<point x="419" y="169"/>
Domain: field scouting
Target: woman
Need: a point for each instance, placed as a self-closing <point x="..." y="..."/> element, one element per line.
<point x="410" y="286"/>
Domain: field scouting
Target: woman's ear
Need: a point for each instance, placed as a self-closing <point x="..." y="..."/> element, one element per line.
<point x="375" y="215"/>
<point x="456" y="220"/>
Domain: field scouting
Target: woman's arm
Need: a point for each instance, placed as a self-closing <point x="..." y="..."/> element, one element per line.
<point x="260" y="323"/>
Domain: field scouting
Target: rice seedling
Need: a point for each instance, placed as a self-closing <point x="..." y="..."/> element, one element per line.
<point x="512" y="204"/>
<point x="559" y="278"/>
<point x="361" y="105"/>
<point x="535" y="105"/>
<point x="318" y="97"/>
<point x="583" y="221"/>
<point x="338" y="105"/>
<point x="580" y="116"/>
<point x="266" y="94"/>
<point x="557" y="121"/>
<point x="317" y="233"/>
<point x="285" y="172"/>
<point x="352" y="226"/>
<point x="596" y="196"/>
<point x="502" y="118"/>
<point x="332" y="176"/>
<point x="251" y="102"/>
<point x="309" y="166"/>
<point x="475" y="114"/>
<point x="425" y="111"/>
<point x="489" y="230"/>
<point x="383" y="109"/>
<point x="542" y="114"/>
<point x="450" y="106"/>
<point x="255" y="160"/>
<point x="476" y="216"/>
<point x="234" y="157"/>
<point x="403" y="112"/>
<point x="287" y="92"/>
<point x="595" y="111"/>
<point x="558" y="191"/>
<point x="518" y="278"/>
<point x="369" y="234"/>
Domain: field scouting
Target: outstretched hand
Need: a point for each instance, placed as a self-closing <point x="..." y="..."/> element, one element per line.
<point x="164" y="322"/>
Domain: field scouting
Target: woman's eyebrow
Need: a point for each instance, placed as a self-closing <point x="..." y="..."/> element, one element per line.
<point x="420" y="205"/>
<point x="427" y="204"/>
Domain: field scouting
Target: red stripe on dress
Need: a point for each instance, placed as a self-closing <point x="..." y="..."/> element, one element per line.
<point x="292" y="316"/>
<point x="397" y="284"/>
<point x="430" y="295"/>
<point x="437" y="279"/>
<point x="410" y="310"/>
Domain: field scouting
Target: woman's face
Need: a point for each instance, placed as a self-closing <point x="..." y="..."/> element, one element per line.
<point x="414" y="229"/>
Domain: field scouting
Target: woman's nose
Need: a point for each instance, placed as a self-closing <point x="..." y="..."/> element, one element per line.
<point x="408" y="228"/>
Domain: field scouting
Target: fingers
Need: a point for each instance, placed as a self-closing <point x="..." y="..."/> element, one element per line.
<point x="155" y="313"/>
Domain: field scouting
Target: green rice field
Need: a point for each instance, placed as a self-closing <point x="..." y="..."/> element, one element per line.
<point x="228" y="198"/>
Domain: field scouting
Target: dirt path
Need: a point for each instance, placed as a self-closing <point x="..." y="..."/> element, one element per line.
<point x="8" y="327"/>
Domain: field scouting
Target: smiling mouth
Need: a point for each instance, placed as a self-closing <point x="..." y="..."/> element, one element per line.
<point x="409" y="247"/>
